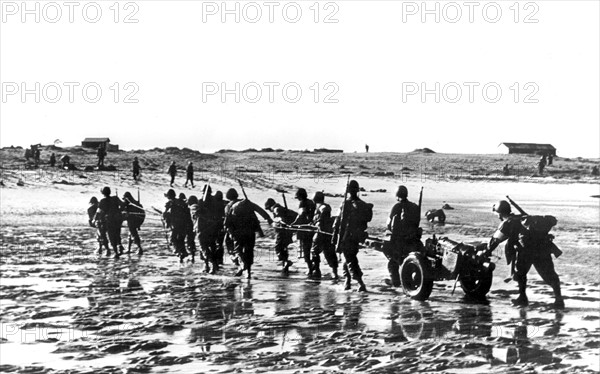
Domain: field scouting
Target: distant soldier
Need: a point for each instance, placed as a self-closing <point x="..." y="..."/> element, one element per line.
<point x="322" y="244"/>
<point x="189" y="174"/>
<point x="66" y="161"/>
<point x="100" y="235"/>
<point x="109" y="215"/>
<point x="541" y="165"/>
<point x="207" y="228"/>
<point x="219" y="214"/>
<point x="28" y="154"/>
<point x="135" y="214"/>
<point x="178" y="219"/>
<point x="52" y="159"/>
<point x="525" y="251"/>
<point x="550" y="159"/>
<point x="432" y="214"/>
<point x="36" y="156"/>
<point x="403" y="222"/>
<point x="242" y="224"/>
<point x="506" y="170"/>
<point x="366" y="148"/>
<point x="136" y="168"/>
<point x="282" y="217"/>
<point x="172" y="172"/>
<point x="101" y="155"/>
<point x="350" y="229"/>
<point x="306" y="210"/>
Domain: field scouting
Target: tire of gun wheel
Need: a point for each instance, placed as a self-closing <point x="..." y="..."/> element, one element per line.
<point x="477" y="288"/>
<point x="416" y="278"/>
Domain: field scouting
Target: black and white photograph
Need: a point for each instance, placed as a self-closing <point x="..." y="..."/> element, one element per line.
<point x="307" y="186"/>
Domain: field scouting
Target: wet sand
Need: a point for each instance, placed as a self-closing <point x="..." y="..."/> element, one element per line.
<point x="66" y="309"/>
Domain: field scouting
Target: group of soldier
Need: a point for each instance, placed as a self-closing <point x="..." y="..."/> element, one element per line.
<point x="233" y="224"/>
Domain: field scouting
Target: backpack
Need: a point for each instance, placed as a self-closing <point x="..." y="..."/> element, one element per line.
<point x="241" y="216"/>
<point x="536" y="230"/>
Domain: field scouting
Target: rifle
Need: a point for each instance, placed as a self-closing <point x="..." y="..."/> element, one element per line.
<point x="284" y="201"/>
<point x="337" y="233"/>
<point x="305" y="228"/>
<point x="205" y="192"/>
<point x="258" y="229"/>
<point x="420" y="201"/>
<point x="517" y="207"/>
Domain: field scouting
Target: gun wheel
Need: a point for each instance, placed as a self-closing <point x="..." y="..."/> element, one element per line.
<point x="477" y="287"/>
<point x="416" y="279"/>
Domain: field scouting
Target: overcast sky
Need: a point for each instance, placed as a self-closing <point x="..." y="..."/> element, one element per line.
<point x="370" y="68"/>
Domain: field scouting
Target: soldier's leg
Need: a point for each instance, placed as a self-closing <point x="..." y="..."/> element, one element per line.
<point x="249" y="251"/>
<point x="114" y="238"/>
<point x="523" y="263"/>
<point x="212" y="245"/>
<point x="317" y="248"/>
<point x="305" y="246"/>
<point x="394" y="270"/>
<point x="238" y="249"/>
<point x="204" y="249"/>
<point x="331" y="258"/>
<point x="545" y="268"/>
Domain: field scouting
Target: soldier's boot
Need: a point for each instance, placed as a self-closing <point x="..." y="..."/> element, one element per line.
<point x="522" y="299"/>
<point x="348" y="283"/>
<point x="206" y="267"/>
<point x="121" y="249"/>
<point x="107" y="251"/>
<point x="129" y="245"/>
<point x="249" y="274"/>
<point x="100" y="249"/>
<point x="214" y="268"/>
<point x="140" y="250"/>
<point x="559" y="302"/>
<point x="316" y="273"/>
<point x="193" y="260"/>
<point x="286" y="266"/>
<point x="361" y="285"/>
<point x="117" y="253"/>
<point x="334" y="274"/>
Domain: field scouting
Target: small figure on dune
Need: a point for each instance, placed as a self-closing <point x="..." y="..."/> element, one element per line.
<point x="189" y="174"/>
<point x="172" y="172"/>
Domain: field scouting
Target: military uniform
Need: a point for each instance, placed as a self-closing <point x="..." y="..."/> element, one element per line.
<point x="207" y="227"/>
<point x="527" y="250"/>
<point x="283" y="237"/>
<point x="135" y="215"/>
<point x="351" y="229"/>
<point x="172" y="172"/>
<point x="322" y="243"/>
<point x="241" y="223"/>
<point x="306" y="209"/>
<point x="136" y="169"/>
<point x="406" y="236"/>
<point x="109" y="216"/>
<point x="178" y="218"/>
<point x="189" y="175"/>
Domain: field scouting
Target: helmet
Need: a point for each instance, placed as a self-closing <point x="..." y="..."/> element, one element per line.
<point x="319" y="197"/>
<point x="402" y="192"/>
<point x="353" y="186"/>
<point x="269" y="203"/>
<point x="127" y="195"/>
<point x="207" y="189"/>
<point x="502" y="207"/>
<point x="93" y="200"/>
<point x="301" y="194"/>
<point x="105" y="191"/>
<point x="192" y="200"/>
<point x="182" y="196"/>
<point x="218" y="196"/>
<point x="231" y="194"/>
<point x="170" y="194"/>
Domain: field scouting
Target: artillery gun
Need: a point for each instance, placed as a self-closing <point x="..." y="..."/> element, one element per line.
<point x="441" y="259"/>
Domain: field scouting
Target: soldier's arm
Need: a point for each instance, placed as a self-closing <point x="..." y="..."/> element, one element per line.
<point x="393" y="213"/>
<point x="262" y="213"/>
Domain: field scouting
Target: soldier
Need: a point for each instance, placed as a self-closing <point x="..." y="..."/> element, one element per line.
<point x="178" y="219"/>
<point x="241" y="223"/>
<point x="282" y="217"/>
<point x="207" y="228"/>
<point x="189" y="172"/>
<point x="100" y="234"/>
<point x="172" y="172"/>
<point x="109" y="215"/>
<point x="525" y="251"/>
<point x="219" y="214"/>
<point x="403" y="223"/>
<point x="542" y="164"/>
<point x="101" y="154"/>
<point x="306" y="210"/>
<point x="135" y="214"/>
<point x="36" y="156"/>
<point x="52" y="159"/>
<point x="66" y="161"/>
<point x="322" y="244"/>
<point x="136" y="168"/>
<point x="350" y="228"/>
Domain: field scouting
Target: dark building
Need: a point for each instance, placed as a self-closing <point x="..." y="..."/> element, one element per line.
<point x="97" y="142"/>
<point x="528" y="148"/>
